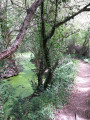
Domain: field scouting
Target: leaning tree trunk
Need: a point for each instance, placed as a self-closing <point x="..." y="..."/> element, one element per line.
<point x="30" y="12"/>
<point x="9" y="68"/>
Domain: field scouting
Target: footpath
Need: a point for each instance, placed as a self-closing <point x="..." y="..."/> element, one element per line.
<point x="78" y="107"/>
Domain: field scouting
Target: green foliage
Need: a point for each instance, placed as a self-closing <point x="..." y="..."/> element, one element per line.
<point x="79" y="37"/>
<point x="57" y="44"/>
<point x="87" y="60"/>
<point x="44" y="105"/>
<point x="7" y="92"/>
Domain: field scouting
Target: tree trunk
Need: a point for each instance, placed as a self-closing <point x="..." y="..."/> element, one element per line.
<point x="41" y="65"/>
<point x="48" y="79"/>
<point x="30" y="12"/>
<point x="10" y="68"/>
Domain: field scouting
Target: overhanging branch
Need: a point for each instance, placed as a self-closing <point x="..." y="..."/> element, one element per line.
<point x="66" y="20"/>
<point x="75" y="14"/>
<point x="30" y="12"/>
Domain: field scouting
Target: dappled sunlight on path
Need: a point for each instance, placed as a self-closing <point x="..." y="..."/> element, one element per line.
<point x="78" y="107"/>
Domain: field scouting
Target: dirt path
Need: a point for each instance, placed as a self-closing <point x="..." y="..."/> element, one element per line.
<point x="79" y="103"/>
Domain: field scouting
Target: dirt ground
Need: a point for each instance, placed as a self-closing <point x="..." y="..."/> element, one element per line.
<point x="78" y="107"/>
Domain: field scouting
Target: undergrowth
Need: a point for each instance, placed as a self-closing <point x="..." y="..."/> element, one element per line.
<point x="43" y="107"/>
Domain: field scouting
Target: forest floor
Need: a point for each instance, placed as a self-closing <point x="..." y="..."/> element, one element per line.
<point x="78" y="107"/>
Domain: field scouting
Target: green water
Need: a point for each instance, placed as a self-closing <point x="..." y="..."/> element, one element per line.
<point x="22" y="82"/>
<point x="19" y="86"/>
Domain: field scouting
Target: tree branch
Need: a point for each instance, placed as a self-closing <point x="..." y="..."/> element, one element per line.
<point x="20" y="36"/>
<point x="66" y="20"/>
<point x="75" y="14"/>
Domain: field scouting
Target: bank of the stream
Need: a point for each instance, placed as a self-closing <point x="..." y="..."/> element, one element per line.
<point x="22" y="82"/>
<point x="19" y="86"/>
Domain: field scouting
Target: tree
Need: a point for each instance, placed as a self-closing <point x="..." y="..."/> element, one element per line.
<point x="20" y="36"/>
<point x="46" y="37"/>
<point x="10" y="68"/>
<point x="47" y="7"/>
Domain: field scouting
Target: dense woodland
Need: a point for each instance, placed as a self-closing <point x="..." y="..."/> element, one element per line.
<point x="40" y="42"/>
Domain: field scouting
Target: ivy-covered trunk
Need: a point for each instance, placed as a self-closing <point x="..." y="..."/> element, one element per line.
<point x="44" y="56"/>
